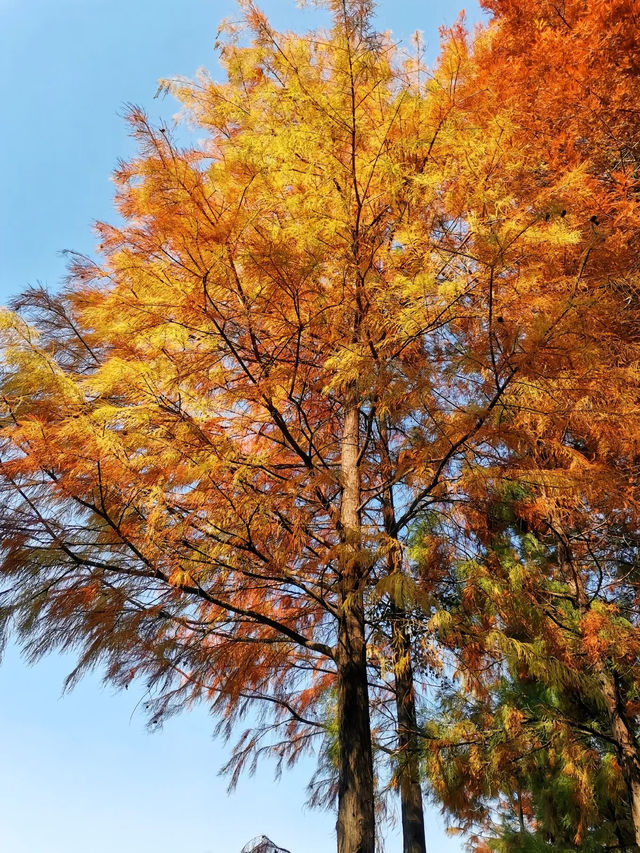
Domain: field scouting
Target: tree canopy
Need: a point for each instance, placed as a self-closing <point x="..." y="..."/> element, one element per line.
<point x="345" y="404"/>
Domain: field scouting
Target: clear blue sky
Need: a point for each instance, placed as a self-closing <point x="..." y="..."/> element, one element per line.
<point x="80" y="774"/>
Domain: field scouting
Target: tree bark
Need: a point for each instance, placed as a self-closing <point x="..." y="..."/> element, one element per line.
<point x="627" y="747"/>
<point x="413" y="832"/>
<point x="411" y="810"/>
<point x="356" y="819"/>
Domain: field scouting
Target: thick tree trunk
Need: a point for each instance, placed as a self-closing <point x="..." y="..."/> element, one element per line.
<point x="413" y="832"/>
<point x="356" y="819"/>
<point x="627" y="747"/>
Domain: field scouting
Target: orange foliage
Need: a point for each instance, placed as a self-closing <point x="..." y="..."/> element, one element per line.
<point x="346" y="308"/>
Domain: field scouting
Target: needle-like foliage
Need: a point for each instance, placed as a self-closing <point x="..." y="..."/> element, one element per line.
<point x="330" y="316"/>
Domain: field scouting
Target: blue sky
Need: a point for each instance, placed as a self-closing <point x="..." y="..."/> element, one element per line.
<point x="80" y="773"/>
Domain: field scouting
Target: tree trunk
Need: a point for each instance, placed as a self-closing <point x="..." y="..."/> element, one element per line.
<point x="413" y="832"/>
<point x="622" y="729"/>
<point x="623" y="734"/>
<point x="356" y="819"/>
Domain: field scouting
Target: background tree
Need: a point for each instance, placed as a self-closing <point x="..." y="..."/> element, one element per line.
<point x="570" y="434"/>
<point x="531" y="753"/>
<point x="262" y="845"/>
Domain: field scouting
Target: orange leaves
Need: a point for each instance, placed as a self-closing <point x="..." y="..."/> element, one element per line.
<point x="594" y="634"/>
<point x="179" y="578"/>
<point x="607" y="636"/>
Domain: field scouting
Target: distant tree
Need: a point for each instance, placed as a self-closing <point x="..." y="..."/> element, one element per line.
<point x="262" y="845"/>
